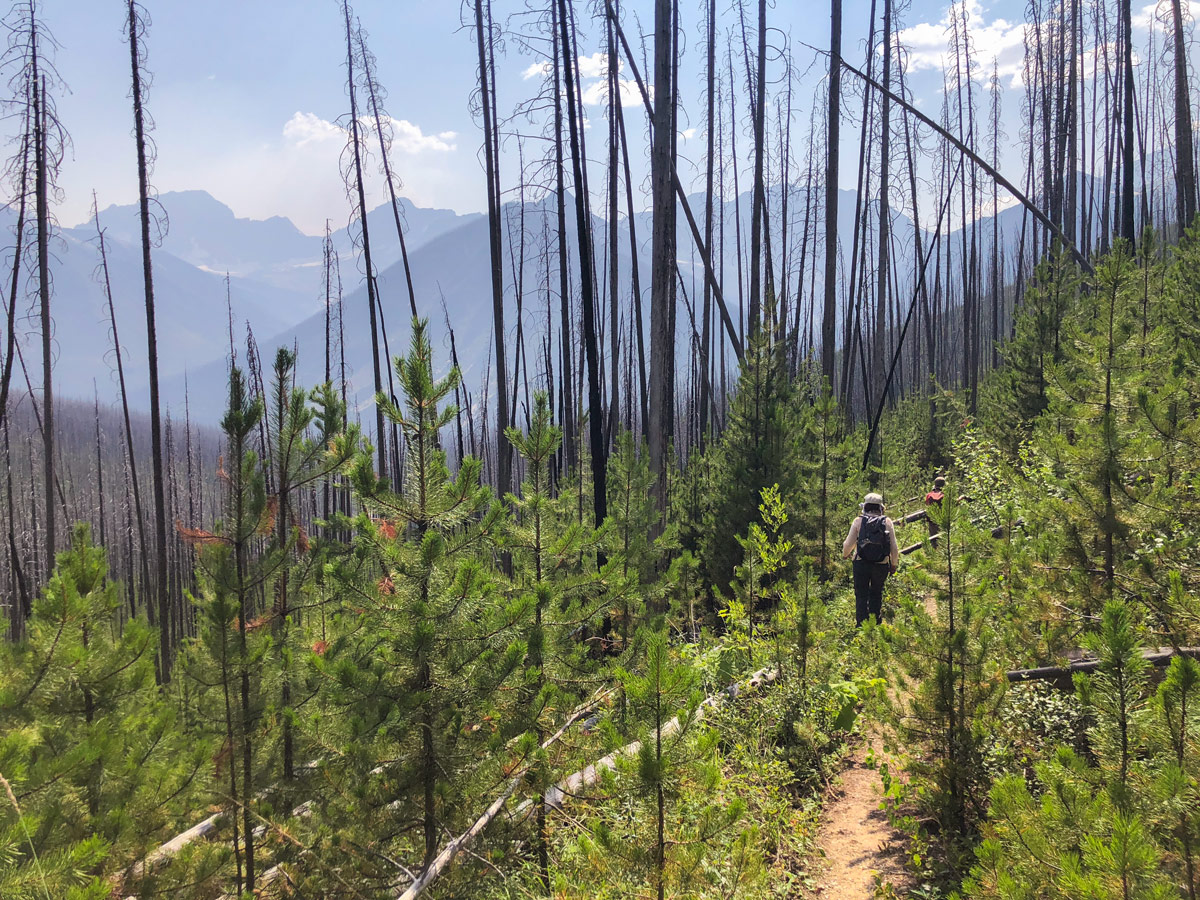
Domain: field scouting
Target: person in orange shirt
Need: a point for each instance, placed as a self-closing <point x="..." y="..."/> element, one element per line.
<point x="933" y="501"/>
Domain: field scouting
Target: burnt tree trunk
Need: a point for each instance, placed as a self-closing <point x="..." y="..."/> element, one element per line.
<point x="662" y="291"/>
<point x="832" y="124"/>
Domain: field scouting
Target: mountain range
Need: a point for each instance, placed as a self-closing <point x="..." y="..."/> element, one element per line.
<point x="276" y="288"/>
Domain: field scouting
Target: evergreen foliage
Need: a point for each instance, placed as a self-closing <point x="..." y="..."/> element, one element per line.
<point x="758" y="448"/>
<point x="675" y="753"/>
<point x="96" y="763"/>
<point x="437" y="639"/>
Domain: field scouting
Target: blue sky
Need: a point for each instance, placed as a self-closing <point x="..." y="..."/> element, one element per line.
<point x="245" y="93"/>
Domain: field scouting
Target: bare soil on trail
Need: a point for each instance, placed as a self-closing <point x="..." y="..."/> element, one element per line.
<point x="856" y="839"/>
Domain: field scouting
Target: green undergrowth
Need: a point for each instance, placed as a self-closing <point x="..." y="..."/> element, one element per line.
<point x="742" y="815"/>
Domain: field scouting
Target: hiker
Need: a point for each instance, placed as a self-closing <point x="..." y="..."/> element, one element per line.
<point x="872" y="543"/>
<point x="933" y="502"/>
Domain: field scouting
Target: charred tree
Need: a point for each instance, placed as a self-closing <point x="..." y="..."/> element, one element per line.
<point x="483" y="39"/>
<point x="591" y="348"/>
<point x="833" y="121"/>
<point x="1185" y="167"/>
<point x="357" y="190"/>
<point x="661" y="426"/>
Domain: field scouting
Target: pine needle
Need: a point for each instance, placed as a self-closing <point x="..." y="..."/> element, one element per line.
<point x="20" y="818"/>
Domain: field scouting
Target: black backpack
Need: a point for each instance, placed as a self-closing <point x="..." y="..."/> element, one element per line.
<point x="874" y="544"/>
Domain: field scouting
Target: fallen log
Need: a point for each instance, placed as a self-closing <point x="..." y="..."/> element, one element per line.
<point x="198" y="832"/>
<point x="157" y="858"/>
<point x="997" y="532"/>
<point x="446" y="857"/>
<point x="589" y="775"/>
<point x="1062" y="677"/>
<point x="556" y="795"/>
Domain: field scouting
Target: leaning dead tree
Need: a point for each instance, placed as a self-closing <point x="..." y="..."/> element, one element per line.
<point x="356" y="190"/>
<point x="128" y="427"/>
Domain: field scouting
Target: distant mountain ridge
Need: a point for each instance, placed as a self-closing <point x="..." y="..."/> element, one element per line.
<point x="275" y="282"/>
<point x="204" y="232"/>
<point x="276" y="287"/>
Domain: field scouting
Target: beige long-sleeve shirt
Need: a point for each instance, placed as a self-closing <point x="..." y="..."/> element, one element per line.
<point x="850" y="545"/>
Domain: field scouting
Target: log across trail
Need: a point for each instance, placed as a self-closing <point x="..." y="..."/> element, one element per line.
<point x="1063" y="677"/>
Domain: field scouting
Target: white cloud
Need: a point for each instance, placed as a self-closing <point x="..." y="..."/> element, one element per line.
<point x="688" y="133"/>
<point x="537" y="70"/>
<point x="303" y="129"/>
<point x="928" y="43"/>
<point x="594" y="66"/>
<point x="410" y="139"/>
<point x="596" y="93"/>
<point x="258" y="178"/>
<point x="1142" y="18"/>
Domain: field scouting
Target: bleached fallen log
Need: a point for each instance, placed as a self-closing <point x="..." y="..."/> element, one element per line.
<point x="589" y="775"/>
<point x="160" y="856"/>
<point x="570" y="785"/>
<point x="445" y="859"/>
<point x="198" y="832"/>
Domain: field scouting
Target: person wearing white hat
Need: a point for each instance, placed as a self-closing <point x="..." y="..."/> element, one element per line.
<point x="872" y="544"/>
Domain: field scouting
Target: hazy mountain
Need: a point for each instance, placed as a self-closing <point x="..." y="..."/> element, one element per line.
<point x="191" y="313"/>
<point x="456" y="266"/>
<point x="277" y="279"/>
<point x="205" y="232"/>
<point x="201" y="230"/>
<point x="453" y="267"/>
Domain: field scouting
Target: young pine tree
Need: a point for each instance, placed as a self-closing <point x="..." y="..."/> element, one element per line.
<point x="1018" y="392"/>
<point x="945" y="678"/>
<point x="757" y="449"/>
<point x="673" y="772"/>
<point x="235" y="571"/>
<point x="93" y="756"/>
<point x="303" y="458"/>
<point x="1087" y="433"/>
<point x="437" y="622"/>
<point x="1175" y="787"/>
<point x="547" y="545"/>
<point x="1085" y="833"/>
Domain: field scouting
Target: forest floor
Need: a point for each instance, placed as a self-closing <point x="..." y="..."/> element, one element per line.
<point x="861" y="848"/>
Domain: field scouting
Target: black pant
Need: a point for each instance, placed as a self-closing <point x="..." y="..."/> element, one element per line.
<point x="868" y="589"/>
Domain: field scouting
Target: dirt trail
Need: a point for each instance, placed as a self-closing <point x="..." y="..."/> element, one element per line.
<point x="856" y="839"/>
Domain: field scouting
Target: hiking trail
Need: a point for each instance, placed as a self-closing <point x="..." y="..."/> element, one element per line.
<point x="855" y="837"/>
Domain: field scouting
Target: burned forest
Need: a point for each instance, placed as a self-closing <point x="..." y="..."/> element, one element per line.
<point x="623" y="448"/>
